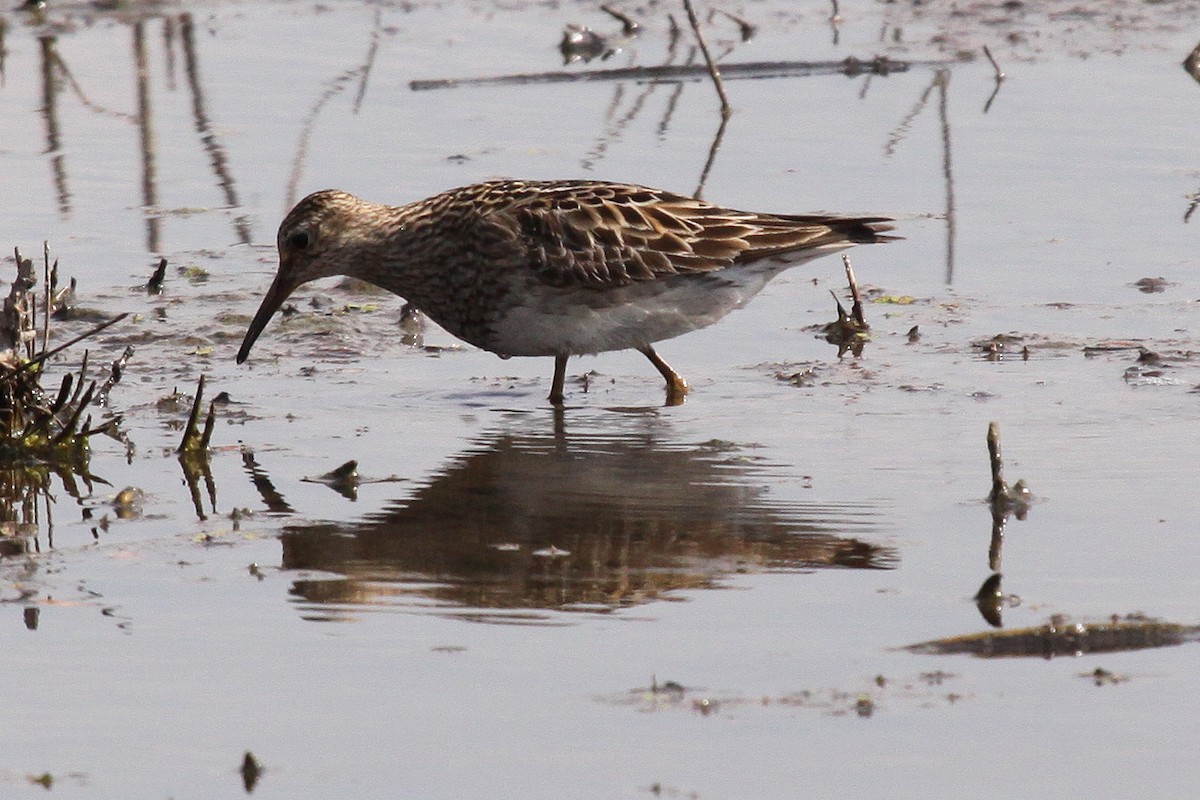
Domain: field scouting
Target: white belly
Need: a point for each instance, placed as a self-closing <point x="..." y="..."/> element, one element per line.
<point x="586" y="321"/>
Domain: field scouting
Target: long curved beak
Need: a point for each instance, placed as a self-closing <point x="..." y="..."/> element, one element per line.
<point x="280" y="290"/>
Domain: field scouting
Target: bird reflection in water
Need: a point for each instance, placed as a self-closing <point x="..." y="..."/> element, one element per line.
<point x="522" y="525"/>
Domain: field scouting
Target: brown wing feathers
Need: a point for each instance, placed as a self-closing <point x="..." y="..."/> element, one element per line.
<point x="609" y="235"/>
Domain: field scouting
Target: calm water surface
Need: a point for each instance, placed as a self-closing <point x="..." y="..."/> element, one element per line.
<point x="487" y="613"/>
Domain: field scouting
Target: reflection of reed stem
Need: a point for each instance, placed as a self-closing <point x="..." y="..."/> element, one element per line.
<point x="216" y="152"/>
<point x="310" y="120"/>
<point x="168" y="34"/>
<point x="901" y="131"/>
<point x="942" y="80"/>
<point x="271" y="497"/>
<point x="3" y="49"/>
<point x="146" y="138"/>
<point x="366" y="70"/>
<point x="50" y="89"/>
<point x="713" y="72"/>
<point x="712" y="156"/>
<point x="69" y="78"/>
<point x="640" y="101"/>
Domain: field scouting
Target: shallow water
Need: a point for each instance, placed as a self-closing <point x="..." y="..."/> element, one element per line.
<point x="489" y="611"/>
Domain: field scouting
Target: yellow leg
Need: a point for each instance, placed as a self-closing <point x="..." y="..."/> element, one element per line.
<point x="560" y="375"/>
<point x="676" y="386"/>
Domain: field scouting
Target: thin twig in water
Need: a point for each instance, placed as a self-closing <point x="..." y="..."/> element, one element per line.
<point x="49" y="353"/>
<point x="713" y="72"/>
<point x="856" y="308"/>
<point x="49" y="294"/>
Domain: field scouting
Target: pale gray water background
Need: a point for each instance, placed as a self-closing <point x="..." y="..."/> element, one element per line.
<point x="394" y="645"/>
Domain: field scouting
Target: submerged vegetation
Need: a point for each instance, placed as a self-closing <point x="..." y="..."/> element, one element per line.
<point x="38" y="427"/>
<point x="44" y="432"/>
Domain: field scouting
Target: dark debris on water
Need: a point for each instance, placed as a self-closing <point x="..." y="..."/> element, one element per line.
<point x="1061" y="637"/>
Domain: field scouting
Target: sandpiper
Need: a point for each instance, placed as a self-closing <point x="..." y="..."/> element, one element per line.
<point x="555" y="268"/>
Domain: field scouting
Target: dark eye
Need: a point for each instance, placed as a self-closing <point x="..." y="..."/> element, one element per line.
<point x="300" y="240"/>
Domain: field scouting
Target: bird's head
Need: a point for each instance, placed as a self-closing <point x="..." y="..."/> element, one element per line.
<point x="315" y="240"/>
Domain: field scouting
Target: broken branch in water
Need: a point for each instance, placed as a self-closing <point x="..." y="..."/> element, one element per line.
<point x="1014" y="499"/>
<point x="155" y="284"/>
<point x="850" y="331"/>
<point x="1003" y="501"/>
<point x="999" y="487"/>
